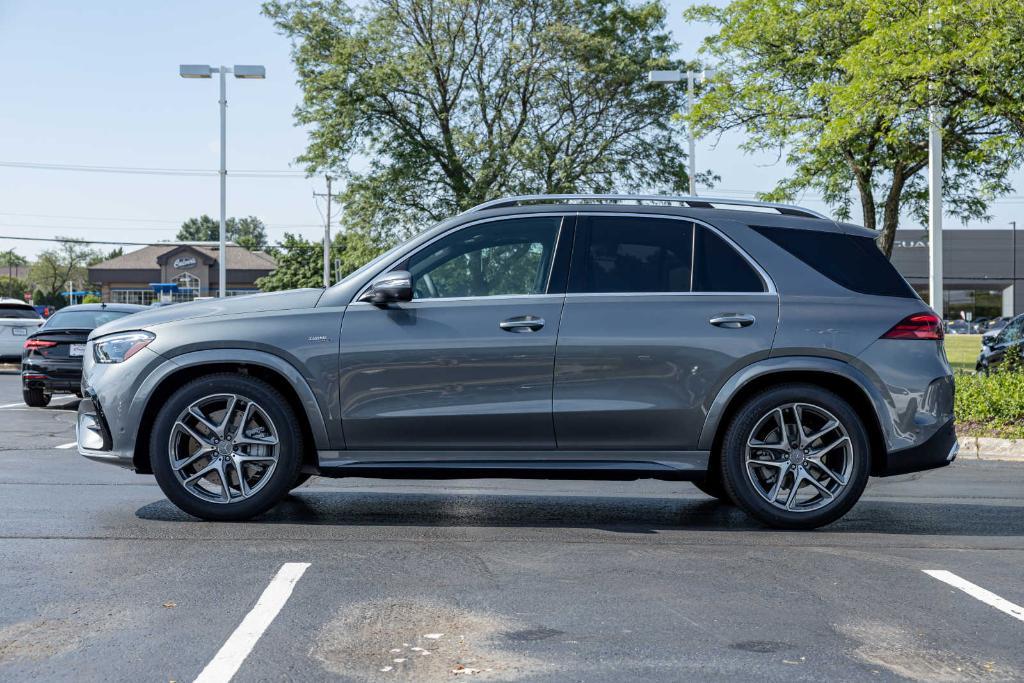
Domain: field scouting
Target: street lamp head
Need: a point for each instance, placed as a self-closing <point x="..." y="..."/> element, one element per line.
<point x="249" y="71"/>
<point x="195" y="71"/>
<point x="664" y="76"/>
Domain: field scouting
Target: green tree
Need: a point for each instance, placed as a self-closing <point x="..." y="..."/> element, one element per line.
<point x="786" y="72"/>
<point x="453" y="102"/>
<point x="955" y="54"/>
<point x="248" y="232"/>
<point x="12" y="287"/>
<point x="300" y="261"/>
<point x="100" y="257"/>
<point x="11" y="258"/>
<point x="55" y="267"/>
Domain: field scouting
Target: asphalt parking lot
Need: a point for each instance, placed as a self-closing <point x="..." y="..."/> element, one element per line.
<point x="102" y="579"/>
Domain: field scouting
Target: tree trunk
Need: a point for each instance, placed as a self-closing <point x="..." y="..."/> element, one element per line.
<point x="891" y="212"/>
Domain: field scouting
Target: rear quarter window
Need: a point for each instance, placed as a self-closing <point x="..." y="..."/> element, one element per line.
<point x="850" y="261"/>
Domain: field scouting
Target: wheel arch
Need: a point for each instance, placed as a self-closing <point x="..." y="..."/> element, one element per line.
<point x="836" y="376"/>
<point x="278" y="373"/>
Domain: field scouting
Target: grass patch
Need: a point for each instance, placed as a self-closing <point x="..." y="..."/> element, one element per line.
<point x="991" y="406"/>
<point x="962" y="351"/>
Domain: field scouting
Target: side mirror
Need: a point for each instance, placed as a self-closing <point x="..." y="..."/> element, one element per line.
<point x="988" y="342"/>
<point x="391" y="287"/>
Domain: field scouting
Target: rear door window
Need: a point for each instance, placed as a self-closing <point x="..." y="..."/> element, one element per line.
<point x="18" y="312"/>
<point x="627" y="254"/>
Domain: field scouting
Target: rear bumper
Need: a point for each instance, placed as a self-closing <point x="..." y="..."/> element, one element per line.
<point x="938" y="451"/>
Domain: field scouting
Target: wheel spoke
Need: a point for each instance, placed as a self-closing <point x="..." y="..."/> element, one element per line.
<point x="229" y="411"/>
<point x="200" y="474"/>
<point x="773" y="495"/>
<point x="202" y="440"/>
<point x="185" y="462"/>
<point x="798" y="477"/>
<point x="821" y="452"/>
<point x="827" y="471"/>
<point x="243" y="485"/>
<point x="195" y="412"/>
<point x="818" y="485"/>
<point x="829" y="426"/>
<point x="225" y="485"/>
<point x="799" y="425"/>
<point x="243" y="440"/>
<point x="246" y="416"/>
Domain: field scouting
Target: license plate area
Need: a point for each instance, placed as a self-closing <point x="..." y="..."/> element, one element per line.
<point x="77" y="350"/>
<point x="19" y="331"/>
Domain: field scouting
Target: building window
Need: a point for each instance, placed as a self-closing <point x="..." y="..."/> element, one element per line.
<point x="240" y="292"/>
<point x="188" y="287"/>
<point x="143" y="297"/>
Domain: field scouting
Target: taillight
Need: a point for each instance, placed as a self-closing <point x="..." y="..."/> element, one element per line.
<point x="39" y="344"/>
<point x="917" y="326"/>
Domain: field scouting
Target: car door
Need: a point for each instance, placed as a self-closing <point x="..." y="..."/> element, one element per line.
<point x="659" y="312"/>
<point x="468" y="363"/>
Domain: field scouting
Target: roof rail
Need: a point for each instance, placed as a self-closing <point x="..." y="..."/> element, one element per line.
<point x="654" y="199"/>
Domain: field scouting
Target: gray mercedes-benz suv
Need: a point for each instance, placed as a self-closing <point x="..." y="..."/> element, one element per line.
<point x="769" y="355"/>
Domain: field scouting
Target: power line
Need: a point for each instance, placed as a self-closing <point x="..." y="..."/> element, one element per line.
<point x="138" y="170"/>
<point x="125" y="219"/>
<point x="121" y="243"/>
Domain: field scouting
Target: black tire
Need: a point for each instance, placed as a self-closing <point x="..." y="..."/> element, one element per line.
<point x="35" y="398"/>
<point x="289" y="458"/>
<point x="712" y="486"/>
<point x="742" y="490"/>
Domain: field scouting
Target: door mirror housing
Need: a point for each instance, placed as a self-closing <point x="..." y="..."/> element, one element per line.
<point x="391" y="287"/>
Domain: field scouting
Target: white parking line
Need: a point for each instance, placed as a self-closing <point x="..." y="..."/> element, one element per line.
<point x="67" y="445"/>
<point x="977" y="592"/>
<point x="229" y="658"/>
<point x="13" y="405"/>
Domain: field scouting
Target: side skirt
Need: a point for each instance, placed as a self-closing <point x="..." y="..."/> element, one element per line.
<point x="606" y="465"/>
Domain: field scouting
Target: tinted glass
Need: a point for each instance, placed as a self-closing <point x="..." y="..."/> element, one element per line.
<point x="717" y="267"/>
<point x="490" y="259"/>
<point x="19" y="312"/>
<point x="850" y="261"/>
<point x="631" y="254"/>
<point x="81" y="320"/>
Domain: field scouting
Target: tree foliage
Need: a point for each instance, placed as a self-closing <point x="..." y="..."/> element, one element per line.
<point x="789" y="73"/>
<point x="11" y="258"/>
<point x="453" y="102"/>
<point x="67" y="262"/>
<point x="300" y="261"/>
<point x="248" y="232"/>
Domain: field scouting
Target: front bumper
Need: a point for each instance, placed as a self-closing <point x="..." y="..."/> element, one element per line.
<point x="938" y="451"/>
<point x="92" y="435"/>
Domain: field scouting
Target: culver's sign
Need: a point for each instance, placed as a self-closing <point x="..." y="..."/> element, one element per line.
<point x="184" y="261"/>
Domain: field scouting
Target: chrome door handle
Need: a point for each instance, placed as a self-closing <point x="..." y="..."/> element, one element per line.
<point x="522" y="323"/>
<point x="732" y="320"/>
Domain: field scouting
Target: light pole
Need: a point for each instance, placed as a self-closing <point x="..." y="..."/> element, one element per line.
<point x="691" y="77"/>
<point x="1013" y="278"/>
<point x="206" y="71"/>
<point x="935" y="212"/>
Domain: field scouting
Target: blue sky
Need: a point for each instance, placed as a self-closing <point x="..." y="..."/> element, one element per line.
<point x="96" y="84"/>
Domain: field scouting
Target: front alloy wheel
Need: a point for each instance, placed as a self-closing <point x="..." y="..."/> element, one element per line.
<point x="223" y="447"/>
<point x="226" y="447"/>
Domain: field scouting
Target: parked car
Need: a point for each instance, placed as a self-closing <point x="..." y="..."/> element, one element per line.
<point x="995" y="326"/>
<point x="994" y="347"/>
<point x="17" y="320"/>
<point x="958" y="327"/>
<point x="51" y="360"/>
<point x="770" y="355"/>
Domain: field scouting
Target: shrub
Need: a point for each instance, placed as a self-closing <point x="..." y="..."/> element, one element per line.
<point x="992" y="405"/>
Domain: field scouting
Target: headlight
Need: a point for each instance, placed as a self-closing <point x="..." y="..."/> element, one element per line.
<point x="117" y="348"/>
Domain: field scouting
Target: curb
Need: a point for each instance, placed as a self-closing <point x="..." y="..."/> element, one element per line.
<point x="988" y="448"/>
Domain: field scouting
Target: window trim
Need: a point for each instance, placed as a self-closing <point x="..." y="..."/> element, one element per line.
<point x="562" y="227"/>
<point x="770" y="289"/>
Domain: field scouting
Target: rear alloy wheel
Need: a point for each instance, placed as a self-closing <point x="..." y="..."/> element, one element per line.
<point x="796" y="457"/>
<point x="35" y="398"/>
<point x="226" y="447"/>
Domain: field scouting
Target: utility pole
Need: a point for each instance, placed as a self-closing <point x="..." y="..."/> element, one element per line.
<point x="935" y="276"/>
<point x="327" y="233"/>
<point x="1013" y="278"/>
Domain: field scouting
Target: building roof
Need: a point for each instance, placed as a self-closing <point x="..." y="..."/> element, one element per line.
<point x="238" y="258"/>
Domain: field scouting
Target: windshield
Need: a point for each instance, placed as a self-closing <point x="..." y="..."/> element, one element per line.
<point x="19" y="312"/>
<point x="81" y="320"/>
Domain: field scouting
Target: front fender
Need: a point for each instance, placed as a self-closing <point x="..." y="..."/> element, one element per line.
<point x="241" y="357"/>
<point x="789" y="364"/>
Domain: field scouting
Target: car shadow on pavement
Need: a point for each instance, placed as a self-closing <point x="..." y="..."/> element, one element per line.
<point x="620" y="514"/>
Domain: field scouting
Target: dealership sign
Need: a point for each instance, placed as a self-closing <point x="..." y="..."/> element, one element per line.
<point x="911" y="244"/>
<point x="184" y="261"/>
